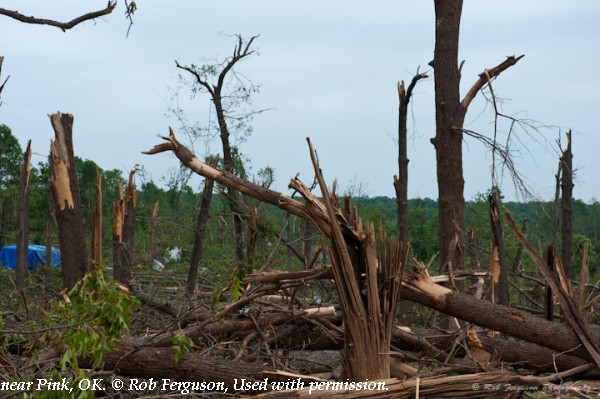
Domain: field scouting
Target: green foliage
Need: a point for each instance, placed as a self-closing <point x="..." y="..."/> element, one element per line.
<point x="183" y="343"/>
<point x="87" y="326"/>
<point x="10" y="158"/>
<point x="97" y="314"/>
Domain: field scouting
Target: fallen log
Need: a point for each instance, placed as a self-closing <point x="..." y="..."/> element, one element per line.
<point x="509" y="321"/>
<point x="558" y="337"/>
<point x="160" y="363"/>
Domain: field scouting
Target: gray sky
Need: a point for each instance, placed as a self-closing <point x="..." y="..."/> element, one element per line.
<point x="328" y="70"/>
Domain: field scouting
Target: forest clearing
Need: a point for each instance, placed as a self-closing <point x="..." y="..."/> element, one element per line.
<point x="121" y="286"/>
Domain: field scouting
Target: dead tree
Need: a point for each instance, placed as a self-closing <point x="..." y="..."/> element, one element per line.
<point x="216" y="92"/>
<point x="450" y="116"/>
<point x="67" y="200"/>
<point x="124" y="232"/>
<point x="97" y="222"/>
<point x="152" y="229"/>
<point x="367" y="270"/>
<point x="566" y="208"/>
<point x="203" y="214"/>
<point x="401" y="181"/>
<point x="23" y="219"/>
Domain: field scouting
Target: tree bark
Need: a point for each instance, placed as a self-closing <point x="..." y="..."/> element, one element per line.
<point x="448" y="139"/>
<point x="566" y="208"/>
<point x="401" y="182"/>
<point x="67" y="200"/>
<point x="23" y="219"/>
<point x="201" y="221"/>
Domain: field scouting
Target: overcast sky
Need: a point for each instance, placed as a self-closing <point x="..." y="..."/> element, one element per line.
<point x="328" y="70"/>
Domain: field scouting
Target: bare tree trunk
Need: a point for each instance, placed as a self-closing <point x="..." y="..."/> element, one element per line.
<point x="201" y="221"/>
<point x="567" y="210"/>
<point x="401" y="182"/>
<point x="498" y="258"/>
<point x="97" y="222"/>
<point x="448" y="139"/>
<point x="23" y="219"/>
<point x="123" y="234"/>
<point x="67" y="200"/>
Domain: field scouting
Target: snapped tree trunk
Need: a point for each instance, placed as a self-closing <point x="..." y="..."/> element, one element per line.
<point x="23" y="219"/>
<point x="67" y="200"/>
<point x="124" y="232"/>
<point x="566" y="208"/>
<point x="203" y="214"/>
<point x="401" y="181"/>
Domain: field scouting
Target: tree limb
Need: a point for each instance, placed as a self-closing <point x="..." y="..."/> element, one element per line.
<point x="484" y="77"/>
<point x="64" y="26"/>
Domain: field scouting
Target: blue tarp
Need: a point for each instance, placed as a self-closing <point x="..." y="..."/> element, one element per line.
<point x="35" y="257"/>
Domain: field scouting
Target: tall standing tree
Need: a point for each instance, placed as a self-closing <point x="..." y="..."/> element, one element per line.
<point x="225" y="99"/>
<point x="450" y="114"/>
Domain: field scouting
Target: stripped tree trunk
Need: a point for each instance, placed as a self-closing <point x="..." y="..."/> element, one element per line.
<point x="97" y="222"/>
<point x="251" y="240"/>
<point x="23" y="219"/>
<point x="199" y="232"/>
<point x="567" y="210"/>
<point x="67" y="200"/>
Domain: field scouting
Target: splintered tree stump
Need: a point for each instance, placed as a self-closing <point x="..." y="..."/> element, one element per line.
<point x="67" y="200"/>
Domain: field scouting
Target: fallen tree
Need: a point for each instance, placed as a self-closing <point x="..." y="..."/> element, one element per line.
<point x="418" y="288"/>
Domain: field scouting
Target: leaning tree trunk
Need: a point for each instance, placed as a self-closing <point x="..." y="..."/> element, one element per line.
<point x="67" y="200"/>
<point x="23" y="219"/>
<point x="448" y="137"/>
<point x="567" y="209"/>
